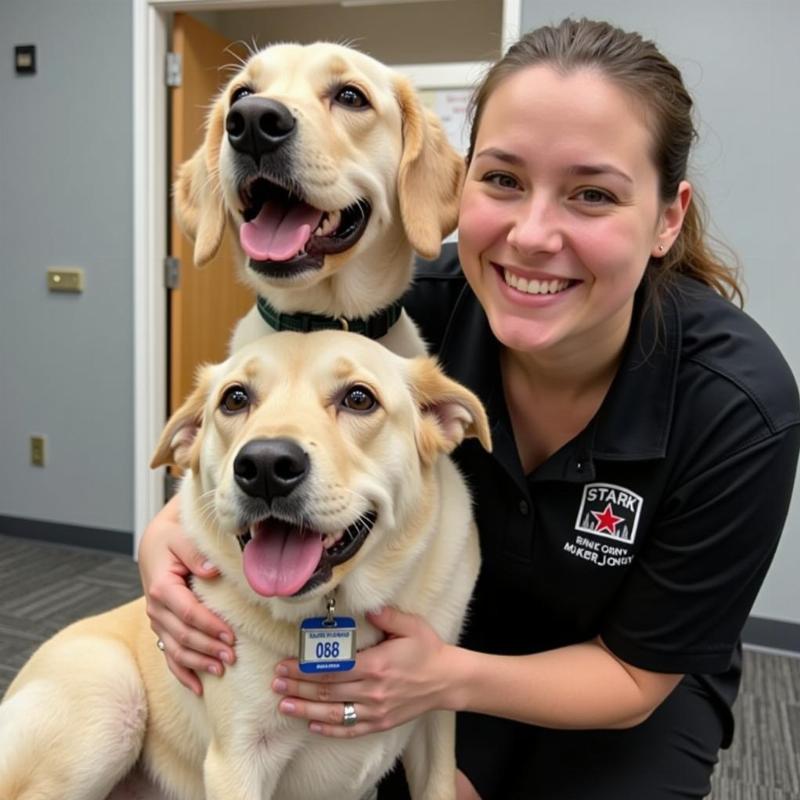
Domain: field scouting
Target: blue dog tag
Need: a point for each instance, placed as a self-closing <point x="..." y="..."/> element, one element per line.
<point x="327" y="644"/>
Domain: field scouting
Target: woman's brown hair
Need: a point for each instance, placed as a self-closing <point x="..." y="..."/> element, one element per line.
<point x="637" y="66"/>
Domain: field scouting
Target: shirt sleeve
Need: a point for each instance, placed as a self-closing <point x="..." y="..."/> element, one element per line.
<point x="684" y="604"/>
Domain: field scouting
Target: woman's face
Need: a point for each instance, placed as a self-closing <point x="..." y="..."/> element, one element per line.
<point x="560" y="211"/>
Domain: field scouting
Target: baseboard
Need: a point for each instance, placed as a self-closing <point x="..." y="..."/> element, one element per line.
<point x="772" y="634"/>
<point x="74" y="535"/>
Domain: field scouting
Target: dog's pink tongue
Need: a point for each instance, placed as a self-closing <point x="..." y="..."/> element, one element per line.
<point x="279" y="560"/>
<point x="278" y="233"/>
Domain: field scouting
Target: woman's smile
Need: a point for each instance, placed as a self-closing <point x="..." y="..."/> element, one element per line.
<point x="532" y="290"/>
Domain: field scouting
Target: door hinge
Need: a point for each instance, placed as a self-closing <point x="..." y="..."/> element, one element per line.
<point x="172" y="272"/>
<point x="174" y="69"/>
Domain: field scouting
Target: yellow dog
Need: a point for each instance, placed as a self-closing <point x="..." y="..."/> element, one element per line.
<point x="316" y="466"/>
<point x="332" y="174"/>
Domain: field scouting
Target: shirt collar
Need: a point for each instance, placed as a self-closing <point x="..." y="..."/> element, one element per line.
<point x="634" y="420"/>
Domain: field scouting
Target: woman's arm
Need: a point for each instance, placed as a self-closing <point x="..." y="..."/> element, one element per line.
<point x="581" y="686"/>
<point x="194" y="638"/>
<point x="413" y="671"/>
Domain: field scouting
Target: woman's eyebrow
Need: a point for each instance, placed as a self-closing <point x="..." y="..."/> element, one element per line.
<point x="575" y="169"/>
<point x="501" y="155"/>
<point x="598" y="169"/>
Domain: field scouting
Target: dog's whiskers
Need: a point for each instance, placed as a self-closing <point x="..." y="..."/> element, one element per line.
<point x="353" y="42"/>
<point x="223" y="68"/>
<point x="363" y="516"/>
<point x="354" y="493"/>
<point x="206" y="514"/>
<point x="241" y="59"/>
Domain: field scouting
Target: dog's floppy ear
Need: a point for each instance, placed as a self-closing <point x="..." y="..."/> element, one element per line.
<point x="449" y="411"/>
<point x="199" y="206"/>
<point x="176" y="443"/>
<point x="430" y="176"/>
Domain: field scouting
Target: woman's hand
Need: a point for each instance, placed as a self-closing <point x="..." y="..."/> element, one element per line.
<point x="393" y="682"/>
<point x="194" y="638"/>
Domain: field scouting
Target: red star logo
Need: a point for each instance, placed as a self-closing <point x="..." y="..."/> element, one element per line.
<point x="607" y="520"/>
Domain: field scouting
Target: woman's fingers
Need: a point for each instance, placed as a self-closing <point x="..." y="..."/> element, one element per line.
<point x="196" y="632"/>
<point x="197" y="563"/>
<point x="328" y="719"/>
<point x="322" y="703"/>
<point x="322" y="691"/>
<point x="186" y="676"/>
<point x="188" y="658"/>
<point x="209" y="632"/>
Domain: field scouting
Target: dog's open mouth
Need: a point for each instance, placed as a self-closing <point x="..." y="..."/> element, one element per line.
<point x="283" y="236"/>
<point x="283" y="559"/>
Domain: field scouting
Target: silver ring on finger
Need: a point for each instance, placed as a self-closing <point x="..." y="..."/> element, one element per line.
<point x="160" y="645"/>
<point x="349" y="716"/>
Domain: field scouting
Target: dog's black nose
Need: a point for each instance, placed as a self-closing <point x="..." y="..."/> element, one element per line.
<point x="258" y="125"/>
<point x="269" y="468"/>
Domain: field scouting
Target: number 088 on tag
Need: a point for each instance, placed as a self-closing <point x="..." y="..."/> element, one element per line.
<point x="327" y="646"/>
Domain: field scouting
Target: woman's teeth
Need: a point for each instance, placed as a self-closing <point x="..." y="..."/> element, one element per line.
<point x="533" y="286"/>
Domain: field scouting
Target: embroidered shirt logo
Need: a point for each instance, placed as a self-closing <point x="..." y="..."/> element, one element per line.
<point x="610" y="511"/>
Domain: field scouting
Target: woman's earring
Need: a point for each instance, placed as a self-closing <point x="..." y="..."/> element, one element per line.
<point x="661" y="248"/>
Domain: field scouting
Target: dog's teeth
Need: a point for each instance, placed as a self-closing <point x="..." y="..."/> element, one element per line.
<point x="329" y="223"/>
<point x="330" y="540"/>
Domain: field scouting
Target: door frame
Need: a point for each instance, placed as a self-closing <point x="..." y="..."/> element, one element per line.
<point x="150" y="213"/>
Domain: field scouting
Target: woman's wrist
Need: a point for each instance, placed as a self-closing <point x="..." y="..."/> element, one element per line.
<point x="458" y="668"/>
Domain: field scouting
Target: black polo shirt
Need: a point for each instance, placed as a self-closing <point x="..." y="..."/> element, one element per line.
<point x="654" y="527"/>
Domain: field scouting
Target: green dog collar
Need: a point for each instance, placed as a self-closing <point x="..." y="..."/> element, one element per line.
<point x="373" y="327"/>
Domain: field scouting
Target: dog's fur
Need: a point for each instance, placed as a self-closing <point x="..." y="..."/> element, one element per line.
<point x="389" y="154"/>
<point x="98" y="698"/>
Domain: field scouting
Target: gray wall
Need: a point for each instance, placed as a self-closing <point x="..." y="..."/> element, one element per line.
<point x="66" y="177"/>
<point x="741" y="61"/>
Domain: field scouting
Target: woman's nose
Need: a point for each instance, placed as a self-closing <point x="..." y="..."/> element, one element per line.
<point x="537" y="228"/>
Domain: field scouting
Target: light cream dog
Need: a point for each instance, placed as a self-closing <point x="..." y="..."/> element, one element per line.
<point x="324" y="456"/>
<point x="332" y="174"/>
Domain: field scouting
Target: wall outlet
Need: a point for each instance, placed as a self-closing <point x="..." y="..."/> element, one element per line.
<point x="37" y="451"/>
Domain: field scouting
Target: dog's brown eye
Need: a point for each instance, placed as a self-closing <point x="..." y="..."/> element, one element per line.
<point x="351" y="97"/>
<point x="241" y="92"/>
<point x="359" y="398"/>
<point x="234" y="400"/>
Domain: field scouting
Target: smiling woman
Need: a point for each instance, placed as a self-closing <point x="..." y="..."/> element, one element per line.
<point x="560" y="214"/>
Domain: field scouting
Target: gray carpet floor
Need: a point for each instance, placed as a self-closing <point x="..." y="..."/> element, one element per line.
<point x="45" y="586"/>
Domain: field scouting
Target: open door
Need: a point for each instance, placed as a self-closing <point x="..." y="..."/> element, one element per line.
<point x="207" y="302"/>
